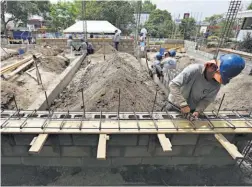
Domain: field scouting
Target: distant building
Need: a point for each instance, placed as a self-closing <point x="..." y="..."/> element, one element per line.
<point x="246" y="26"/>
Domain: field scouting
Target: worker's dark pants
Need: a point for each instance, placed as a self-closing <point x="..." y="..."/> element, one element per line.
<point x="116" y="45"/>
<point x="90" y="51"/>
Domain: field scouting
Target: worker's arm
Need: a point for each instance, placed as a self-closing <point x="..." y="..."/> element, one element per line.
<point x="181" y="79"/>
<point x="205" y="102"/>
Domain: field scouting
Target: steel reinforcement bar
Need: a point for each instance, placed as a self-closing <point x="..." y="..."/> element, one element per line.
<point x="49" y="122"/>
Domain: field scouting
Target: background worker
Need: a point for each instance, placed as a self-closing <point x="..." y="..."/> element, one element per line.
<point x="156" y="66"/>
<point x="197" y="85"/>
<point x="116" y="39"/>
<point x="169" y="64"/>
<point x="83" y="46"/>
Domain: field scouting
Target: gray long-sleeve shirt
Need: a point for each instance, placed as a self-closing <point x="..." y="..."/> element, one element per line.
<point x="191" y="88"/>
<point x="116" y="37"/>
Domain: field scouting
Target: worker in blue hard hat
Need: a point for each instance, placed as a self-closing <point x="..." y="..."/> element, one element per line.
<point x="156" y="66"/>
<point x="198" y="84"/>
<point x="168" y="65"/>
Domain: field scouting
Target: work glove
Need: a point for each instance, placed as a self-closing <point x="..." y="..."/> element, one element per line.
<point x="185" y="109"/>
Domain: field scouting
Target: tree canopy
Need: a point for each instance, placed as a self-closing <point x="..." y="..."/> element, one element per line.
<point x="21" y="10"/>
<point x="63" y="15"/>
<point x="250" y="6"/>
<point x="188" y="27"/>
<point x="148" y="7"/>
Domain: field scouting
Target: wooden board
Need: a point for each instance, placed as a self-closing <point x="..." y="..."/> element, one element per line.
<point x="165" y="142"/>
<point x="33" y="125"/>
<point x="231" y="148"/>
<point x="101" y="150"/>
<point x="38" y="144"/>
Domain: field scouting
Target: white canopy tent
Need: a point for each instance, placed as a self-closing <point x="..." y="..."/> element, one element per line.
<point x="93" y="26"/>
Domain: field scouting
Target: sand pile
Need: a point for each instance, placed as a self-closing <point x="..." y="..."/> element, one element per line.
<point x="49" y="51"/>
<point x="101" y="84"/>
<point x="238" y="94"/>
<point x="107" y="49"/>
<point x="54" y="64"/>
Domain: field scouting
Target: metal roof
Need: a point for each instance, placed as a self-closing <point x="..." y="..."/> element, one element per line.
<point x="93" y="26"/>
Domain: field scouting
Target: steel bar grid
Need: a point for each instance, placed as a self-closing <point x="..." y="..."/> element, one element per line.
<point x="144" y="122"/>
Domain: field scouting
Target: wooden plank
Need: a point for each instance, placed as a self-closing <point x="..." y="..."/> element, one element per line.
<point x="165" y="142"/>
<point x="101" y="150"/>
<point x="231" y="148"/>
<point x="16" y="64"/>
<point x="20" y="68"/>
<point x="38" y="144"/>
<point x="33" y="140"/>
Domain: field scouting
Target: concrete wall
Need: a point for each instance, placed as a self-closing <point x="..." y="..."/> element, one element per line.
<point x="81" y="150"/>
<point x="57" y="85"/>
<point x="126" y="45"/>
<point x="190" y="49"/>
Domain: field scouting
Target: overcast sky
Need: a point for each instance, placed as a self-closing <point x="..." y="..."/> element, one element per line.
<point x="197" y="8"/>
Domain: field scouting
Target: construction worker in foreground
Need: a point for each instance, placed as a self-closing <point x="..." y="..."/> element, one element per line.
<point x="168" y="64"/>
<point x="197" y="85"/>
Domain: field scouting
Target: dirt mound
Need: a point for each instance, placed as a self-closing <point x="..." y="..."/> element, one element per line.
<point x="50" y="51"/>
<point x="102" y="82"/>
<point x="107" y="49"/>
<point x="238" y="94"/>
<point x="54" y="64"/>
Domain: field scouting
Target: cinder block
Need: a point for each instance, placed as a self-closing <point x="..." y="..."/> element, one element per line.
<point x="208" y="139"/>
<point x="11" y="161"/>
<point x="143" y="139"/>
<point x="47" y="151"/>
<point x="15" y="150"/>
<point x="53" y="139"/>
<point x="112" y="151"/>
<point x="185" y="160"/>
<point x="75" y="151"/>
<point x="65" y="139"/>
<point x="184" y="139"/>
<point x="138" y="151"/>
<point x="85" y="139"/>
<point x="122" y="139"/>
<point x="23" y="139"/>
<point x="157" y="161"/>
<point x="208" y="150"/>
<point x="125" y="161"/>
<point x="216" y="161"/>
<point x="176" y="151"/>
<point x="7" y="140"/>
<point x="93" y="162"/>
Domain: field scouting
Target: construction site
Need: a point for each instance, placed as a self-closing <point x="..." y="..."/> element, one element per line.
<point x="98" y="119"/>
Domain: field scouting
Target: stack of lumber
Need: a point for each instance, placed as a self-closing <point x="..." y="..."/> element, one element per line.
<point x="18" y="66"/>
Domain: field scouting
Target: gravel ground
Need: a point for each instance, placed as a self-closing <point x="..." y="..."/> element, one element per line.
<point x="130" y="175"/>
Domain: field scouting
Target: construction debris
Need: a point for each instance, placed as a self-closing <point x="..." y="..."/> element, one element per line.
<point x="106" y="49"/>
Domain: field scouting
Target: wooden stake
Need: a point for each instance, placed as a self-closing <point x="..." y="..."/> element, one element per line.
<point x="231" y="148"/>
<point x="101" y="150"/>
<point x="38" y="143"/>
<point x="165" y="142"/>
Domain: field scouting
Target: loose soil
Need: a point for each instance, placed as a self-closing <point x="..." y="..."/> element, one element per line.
<point x="107" y="49"/>
<point x="25" y="86"/>
<point x="238" y="94"/>
<point x="101" y="81"/>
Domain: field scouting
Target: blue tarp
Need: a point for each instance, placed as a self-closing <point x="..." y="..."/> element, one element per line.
<point x="21" y="35"/>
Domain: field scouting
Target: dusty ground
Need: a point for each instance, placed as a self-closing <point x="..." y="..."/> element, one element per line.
<point x="101" y="81"/>
<point x="238" y="94"/>
<point x="130" y="175"/>
<point x="25" y="86"/>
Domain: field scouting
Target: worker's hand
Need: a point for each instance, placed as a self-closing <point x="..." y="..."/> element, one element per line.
<point x="185" y="109"/>
<point x="196" y="115"/>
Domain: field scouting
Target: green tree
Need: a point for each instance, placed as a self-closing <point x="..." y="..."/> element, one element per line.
<point x="250" y="6"/>
<point x="21" y="10"/>
<point x="159" y="23"/>
<point x="187" y="27"/>
<point x="63" y="15"/>
<point x="148" y="7"/>
<point x="214" y="19"/>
